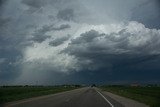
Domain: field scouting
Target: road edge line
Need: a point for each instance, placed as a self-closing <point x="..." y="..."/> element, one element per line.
<point x="105" y="99"/>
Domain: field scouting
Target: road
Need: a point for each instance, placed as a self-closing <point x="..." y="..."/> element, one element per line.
<point x="83" y="97"/>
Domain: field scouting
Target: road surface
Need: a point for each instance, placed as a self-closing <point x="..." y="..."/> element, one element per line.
<point x="83" y="97"/>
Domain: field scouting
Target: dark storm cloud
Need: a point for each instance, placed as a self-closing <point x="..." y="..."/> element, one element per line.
<point x="86" y="37"/>
<point x="114" y="59"/>
<point x="62" y="27"/>
<point x="9" y="60"/>
<point x="10" y="50"/>
<point x="99" y="55"/>
<point x="66" y="14"/>
<point x="35" y="3"/>
<point x="31" y="26"/>
<point x="107" y="51"/>
<point x="143" y="11"/>
<point x="40" y="38"/>
<point x="38" y="6"/>
<point x="8" y="69"/>
<point x="2" y="2"/>
<point x="51" y="17"/>
<point x="4" y="22"/>
<point x="59" y="41"/>
<point x="40" y="35"/>
<point x="9" y="57"/>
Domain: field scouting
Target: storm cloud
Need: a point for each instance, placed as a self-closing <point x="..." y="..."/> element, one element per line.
<point x="79" y="41"/>
<point x="66" y="14"/>
<point x="40" y="34"/>
<point x="59" y="41"/>
<point x="131" y="44"/>
<point x="34" y="3"/>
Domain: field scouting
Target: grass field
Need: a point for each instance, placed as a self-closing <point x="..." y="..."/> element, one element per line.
<point x="13" y="93"/>
<point x="148" y="95"/>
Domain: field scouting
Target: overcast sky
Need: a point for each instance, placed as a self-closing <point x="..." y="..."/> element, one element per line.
<point x="79" y="41"/>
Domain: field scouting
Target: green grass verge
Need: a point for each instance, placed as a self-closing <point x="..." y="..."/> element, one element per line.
<point x="13" y="93"/>
<point x="147" y="95"/>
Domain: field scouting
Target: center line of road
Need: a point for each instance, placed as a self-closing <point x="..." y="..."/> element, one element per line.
<point x="105" y="99"/>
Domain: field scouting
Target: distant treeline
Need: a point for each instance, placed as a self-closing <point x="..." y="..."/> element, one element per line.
<point x="133" y="85"/>
<point x="65" y="85"/>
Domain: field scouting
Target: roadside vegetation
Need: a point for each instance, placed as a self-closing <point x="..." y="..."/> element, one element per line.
<point x="13" y="93"/>
<point x="149" y="95"/>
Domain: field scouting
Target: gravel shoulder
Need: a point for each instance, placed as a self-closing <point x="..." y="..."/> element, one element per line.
<point x="125" y="101"/>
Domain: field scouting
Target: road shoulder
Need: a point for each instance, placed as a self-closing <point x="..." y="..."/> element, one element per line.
<point x="125" y="101"/>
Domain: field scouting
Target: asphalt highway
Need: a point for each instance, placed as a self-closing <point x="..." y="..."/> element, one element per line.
<point x="83" y="97"/>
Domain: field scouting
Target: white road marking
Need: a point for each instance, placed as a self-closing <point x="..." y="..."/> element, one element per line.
<point x="105" y="99"/>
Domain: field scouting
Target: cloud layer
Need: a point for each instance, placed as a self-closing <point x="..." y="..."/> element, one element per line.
<point x="59" y="41"/>
<point x="123" y="45"/>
